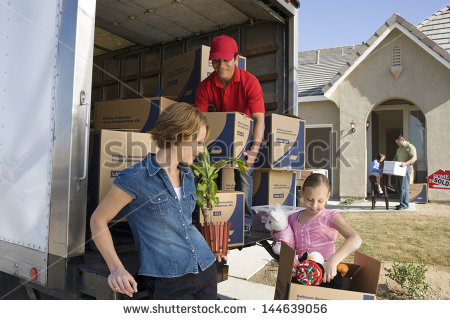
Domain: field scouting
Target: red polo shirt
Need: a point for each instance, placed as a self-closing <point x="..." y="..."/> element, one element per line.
<point x="243" y="94"/>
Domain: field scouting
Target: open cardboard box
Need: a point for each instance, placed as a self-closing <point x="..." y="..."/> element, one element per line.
<point x="360" y="282"/>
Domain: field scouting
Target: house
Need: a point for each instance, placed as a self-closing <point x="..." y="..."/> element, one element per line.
<point x="357" y="99"/>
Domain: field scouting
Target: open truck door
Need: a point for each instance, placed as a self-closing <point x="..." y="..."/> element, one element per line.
<point x="45" y="89"/>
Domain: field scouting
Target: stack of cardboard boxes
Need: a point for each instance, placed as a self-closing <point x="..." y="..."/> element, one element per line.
<point x="281" y="158"/>
<point x="282" y="154"/>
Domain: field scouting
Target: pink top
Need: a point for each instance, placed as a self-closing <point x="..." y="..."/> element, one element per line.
<point x="318" y="234"/>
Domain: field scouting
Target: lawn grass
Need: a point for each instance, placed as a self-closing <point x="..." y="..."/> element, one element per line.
<point x="402" y="236"/>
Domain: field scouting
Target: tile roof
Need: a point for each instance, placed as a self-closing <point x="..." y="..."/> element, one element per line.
<point x="317" y="67"/>
<point x="317" y="77"/>
<point x="437" y="27"/>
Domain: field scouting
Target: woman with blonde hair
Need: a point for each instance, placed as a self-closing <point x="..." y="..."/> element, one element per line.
<point x="158" y="197"/>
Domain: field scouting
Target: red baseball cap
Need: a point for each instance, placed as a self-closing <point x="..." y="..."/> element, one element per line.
<point x="223" y="47"/>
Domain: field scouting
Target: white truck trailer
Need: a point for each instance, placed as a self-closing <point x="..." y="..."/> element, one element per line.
<point x="49" y="82"/>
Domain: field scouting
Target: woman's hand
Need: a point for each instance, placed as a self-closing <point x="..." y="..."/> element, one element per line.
<point x="219" y="258"/>
<point x="121" y="281"/>
<point x="330" y="270"/>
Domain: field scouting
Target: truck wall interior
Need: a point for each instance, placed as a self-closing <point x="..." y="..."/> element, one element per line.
<point x="137" y="71"/>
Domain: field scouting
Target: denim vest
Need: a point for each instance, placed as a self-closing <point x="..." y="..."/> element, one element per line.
<point x="169" y="245"/>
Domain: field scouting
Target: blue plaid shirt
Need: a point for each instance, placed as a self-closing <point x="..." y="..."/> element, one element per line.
<point x="168" y="244"/>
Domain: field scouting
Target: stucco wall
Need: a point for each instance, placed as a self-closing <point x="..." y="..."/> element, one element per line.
<point x="423" y="81"/>
<point x="319" y="113"/>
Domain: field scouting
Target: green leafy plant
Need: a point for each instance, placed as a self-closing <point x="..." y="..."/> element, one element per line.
<point x="206" y="171"/>
<point x="410" y="277"/>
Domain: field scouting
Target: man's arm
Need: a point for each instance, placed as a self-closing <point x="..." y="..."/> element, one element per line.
<point x="258" y="133"/>
<point x="410" y="161"/>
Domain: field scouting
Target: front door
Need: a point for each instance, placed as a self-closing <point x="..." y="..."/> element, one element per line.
<point x="319" y="150"/>
<point x="385" y="123"/>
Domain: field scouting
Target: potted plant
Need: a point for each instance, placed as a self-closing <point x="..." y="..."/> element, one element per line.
<point x="215" y="234"/>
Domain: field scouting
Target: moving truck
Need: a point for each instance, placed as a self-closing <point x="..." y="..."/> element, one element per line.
<point x="55" y="64"/>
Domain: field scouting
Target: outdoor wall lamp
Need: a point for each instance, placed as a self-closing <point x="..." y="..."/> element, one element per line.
<point x="353" y="126"/>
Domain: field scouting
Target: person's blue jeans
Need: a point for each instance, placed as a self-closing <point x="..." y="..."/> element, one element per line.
<point x="403" y="187"/>
<point x="244" y="183"/>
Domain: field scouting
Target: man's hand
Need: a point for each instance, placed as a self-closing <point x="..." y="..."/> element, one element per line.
<point x="250" y="158"/>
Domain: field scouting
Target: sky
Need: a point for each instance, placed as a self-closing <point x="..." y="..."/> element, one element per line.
<point x="336" y="23"/>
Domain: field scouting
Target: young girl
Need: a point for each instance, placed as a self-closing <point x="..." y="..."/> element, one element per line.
<point x="316" y="228"/>
<point x="158" y="195"/>
<point x="376" y="171"/>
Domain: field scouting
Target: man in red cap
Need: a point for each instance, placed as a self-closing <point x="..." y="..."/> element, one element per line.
<point x="231" y="89"/>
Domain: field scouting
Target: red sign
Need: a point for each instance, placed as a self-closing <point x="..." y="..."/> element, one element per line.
<point x="439" y="180"/>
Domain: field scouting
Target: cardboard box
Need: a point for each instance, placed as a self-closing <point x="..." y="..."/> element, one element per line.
<point x="301" y="175"/>
<point x="360" y="283"/>
<point x="284" y="143"/>
<point x="418" y="193"/>
<point x="393" y="168"/>
<point x="230" y="135"/>
<point x="273" y="186"/>
<point x="259" y="219"/>
<point x="230" y="209"/>
<point x="129" y="114"/>
<point x="113" y="151"/>
<point x="182" y="74"/>
<point x="227" y="182"/>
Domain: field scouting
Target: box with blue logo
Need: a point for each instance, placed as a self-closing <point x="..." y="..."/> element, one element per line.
<point x="359" y="283"/>
<point x="230" y="209"/>
<point x="230" y="134"/>
<point x="418" y="193"/>
<point x="183" y="73"/>
<point x="283" y="147"/>
<point x="273" y="186"/>
<point x="129" y="114"/>
<point x="111" y="152"/>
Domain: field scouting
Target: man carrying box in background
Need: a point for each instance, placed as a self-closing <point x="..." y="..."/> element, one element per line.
<point x="407" y="155"/>
<point x="231" y="89"/>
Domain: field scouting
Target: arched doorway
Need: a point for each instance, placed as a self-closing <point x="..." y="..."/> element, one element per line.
<point x="391" y="118"/>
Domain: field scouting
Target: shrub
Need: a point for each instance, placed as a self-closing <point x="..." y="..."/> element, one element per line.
<point x="410" y="277"/>
<point x="349" y="201"/>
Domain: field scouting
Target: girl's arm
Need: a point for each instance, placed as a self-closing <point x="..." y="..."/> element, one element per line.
<point x="119" y="280"/>
<point x="375" y="167"/>
<point x="351" y="244"/>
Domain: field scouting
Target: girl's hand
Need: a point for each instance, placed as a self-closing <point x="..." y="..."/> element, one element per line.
<point x="121" y="281"/>
<point x="330" y="270"/>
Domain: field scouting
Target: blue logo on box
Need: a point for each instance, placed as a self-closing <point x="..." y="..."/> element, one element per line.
<point x="278" y="195"/>
<point x="279" y="140"/>
<point x="239" y="133"/>
<point x="217" y="213"/>
<point x="114" y="173"/>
